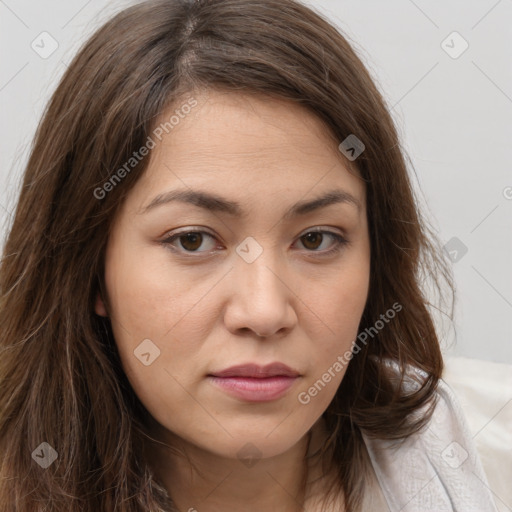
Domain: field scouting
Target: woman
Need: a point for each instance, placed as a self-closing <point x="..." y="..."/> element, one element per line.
<point x="211" y="289"/>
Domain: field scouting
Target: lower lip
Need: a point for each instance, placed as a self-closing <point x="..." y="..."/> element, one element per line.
<point x="255" y="390"/>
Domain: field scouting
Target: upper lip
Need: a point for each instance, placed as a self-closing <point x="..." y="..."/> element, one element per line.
<point x="257" y="371"/>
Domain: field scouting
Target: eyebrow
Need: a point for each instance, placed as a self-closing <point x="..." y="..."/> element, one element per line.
<point x="216" y="203"/>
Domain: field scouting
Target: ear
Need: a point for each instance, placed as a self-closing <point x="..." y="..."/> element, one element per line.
<point x="99" y="306"/>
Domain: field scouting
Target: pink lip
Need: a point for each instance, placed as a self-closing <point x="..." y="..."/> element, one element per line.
<point x="255" y="389"/>
<point x="257" y="371"/>
<point x="255" y="383"/>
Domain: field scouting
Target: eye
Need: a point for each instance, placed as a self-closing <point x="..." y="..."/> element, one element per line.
<point x="190" y="241"/>
<point x="313" y="241"/>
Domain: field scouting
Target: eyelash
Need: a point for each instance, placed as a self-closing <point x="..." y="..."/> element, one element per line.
<point x="340" y="242"/>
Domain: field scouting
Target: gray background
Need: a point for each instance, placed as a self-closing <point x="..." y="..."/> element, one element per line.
<point x="453" y="114"/>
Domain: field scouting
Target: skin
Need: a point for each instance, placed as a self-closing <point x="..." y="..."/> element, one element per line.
<point x="205" y="309"/>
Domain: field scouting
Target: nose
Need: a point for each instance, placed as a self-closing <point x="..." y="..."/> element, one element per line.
<point x="260" y="299"/>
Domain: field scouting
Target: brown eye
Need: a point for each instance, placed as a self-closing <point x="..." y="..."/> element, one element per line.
<point x="312" y="240"/>
<point x="318" y="242"/>
<point x="191" y="241"/>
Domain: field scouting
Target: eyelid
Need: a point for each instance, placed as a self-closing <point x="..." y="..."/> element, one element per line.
<point x="189" y="229"/>
<point x="320" y="229"/>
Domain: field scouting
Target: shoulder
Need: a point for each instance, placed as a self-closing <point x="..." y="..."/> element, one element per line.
<point x="437" y="469"/>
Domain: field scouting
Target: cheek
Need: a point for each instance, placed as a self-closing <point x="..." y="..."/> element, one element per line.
<point x="338" y="307"/>
<point x="151" y="300"/>
<point x="339" y="298"/>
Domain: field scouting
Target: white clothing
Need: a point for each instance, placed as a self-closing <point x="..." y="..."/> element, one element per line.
<point x="436" y="470"/>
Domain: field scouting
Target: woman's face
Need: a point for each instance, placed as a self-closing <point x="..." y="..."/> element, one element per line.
<point x="263" y="280"/>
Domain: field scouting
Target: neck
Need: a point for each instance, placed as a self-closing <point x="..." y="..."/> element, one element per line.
<point x="199" y="480"/>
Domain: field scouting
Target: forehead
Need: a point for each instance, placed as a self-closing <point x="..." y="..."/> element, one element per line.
<point x="255" y="126"/>
<point x="239" y="144"/>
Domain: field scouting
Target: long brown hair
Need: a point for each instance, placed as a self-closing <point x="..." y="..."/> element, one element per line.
<point x="61" y="380"/>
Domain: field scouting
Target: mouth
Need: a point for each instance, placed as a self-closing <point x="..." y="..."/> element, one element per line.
<point x="254" y="383"/>
<point x="253" y="389"/>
